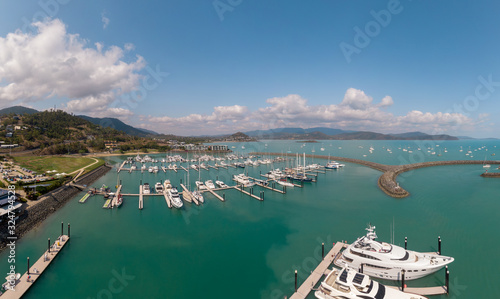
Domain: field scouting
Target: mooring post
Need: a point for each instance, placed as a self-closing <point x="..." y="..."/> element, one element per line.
<point x="224" y="195"/>
<point x="447" y="280"/>
<point x="439" y="245"/>
<point x="403" y="280"/>
<point x="406" y="243"/>
<point x="48" y="245"/>
<point x="295" y="280"/>
<point x="62" y="228"/>
<point x="322" y="250"/>
<point x="361" y="270"/>
<point x="68" y="230"/>
<point x="28" y="265"/>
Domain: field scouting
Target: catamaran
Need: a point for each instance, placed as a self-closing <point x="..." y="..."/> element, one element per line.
<point x="384" y="260"/>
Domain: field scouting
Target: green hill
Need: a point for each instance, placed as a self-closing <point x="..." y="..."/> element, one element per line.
<point x="19" y="110"/>
<point x="117" y="124"/>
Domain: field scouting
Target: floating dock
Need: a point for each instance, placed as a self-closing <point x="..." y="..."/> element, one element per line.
<point x="107" y="204"/>
<point x="167" y="199"/>
<point x="247" y="193"/>
<point x="141" y="198"/>
<point x="84" y="198"/>
<point x="121" y="166"/>
<point x="317" y="274"/>
<point x="215" y="194"/>
<point x="36" y="270"/>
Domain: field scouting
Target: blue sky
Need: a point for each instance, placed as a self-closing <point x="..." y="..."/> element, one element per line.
<point x="210" y="67"/>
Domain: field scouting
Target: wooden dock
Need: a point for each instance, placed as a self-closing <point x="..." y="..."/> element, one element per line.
<point x="424" y="291"/>
<point x="247" y="193"/>
<point x="141" y="198"/>
<point x="36" y="270"/>
<point x="317" y="274"/>
<point x="167" y="199"/>
<point x="270" y="188"/>
<point x="215" y="194"/>
<point x="121" y="166"/>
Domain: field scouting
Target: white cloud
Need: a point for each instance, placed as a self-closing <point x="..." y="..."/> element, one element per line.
<point x="56" y="64"/>
<point x="356" y="111"/>
<point x="105" y="20"/>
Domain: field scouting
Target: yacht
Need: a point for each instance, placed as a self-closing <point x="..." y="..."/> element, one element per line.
<point x="347" y="283"/>
<point x="198" y="196"/>
<point x="284" y="182"/>
<point x="210" y="184"/>
<point x="221" y="184"/>
<point x="159" y="188"/>
<point x="384" y="260"/>
<point x="167" y="186"/>
<point x="145" y="189"/>
<point x="173" y="194"/>
<point x="200" y="185"/>
<point x="243" y="180"/>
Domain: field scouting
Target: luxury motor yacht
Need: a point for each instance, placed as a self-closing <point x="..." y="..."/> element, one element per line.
<point x="200" y="185"/>
<point x="221" y="184"/>
<point x="243" y="180"/>
<point x="173" y="194"/>
<point x="347" y="283"/>
<point x="159" y="188"/>
<point x="210" y="184"/>
<point x="384" y="260"/>
<point x="145" y="189"/>
<point x="167" y="185"/>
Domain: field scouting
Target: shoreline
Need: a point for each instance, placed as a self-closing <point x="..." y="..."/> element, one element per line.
<point x="34" y="215"/>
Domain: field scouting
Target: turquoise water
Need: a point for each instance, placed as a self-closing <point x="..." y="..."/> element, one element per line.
<point x="249" y="249"/>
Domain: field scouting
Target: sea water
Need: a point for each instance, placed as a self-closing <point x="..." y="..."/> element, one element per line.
<point x="245" y="248"/>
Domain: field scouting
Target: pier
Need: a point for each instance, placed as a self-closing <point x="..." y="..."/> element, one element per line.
<point x="167" y="199"/>
<point x="36" y="270"/>
<point x="322" y="269"/>
<point x="121" y="166"/>
<point x="215" y="194"/>
<point x="240" y="188"/>
<point x="141" y="198"/>
<point x="114" y="202"/>
<point x="387" y="181"/>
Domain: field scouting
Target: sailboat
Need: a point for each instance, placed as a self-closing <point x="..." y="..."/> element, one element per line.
<point x="486" y="166"/>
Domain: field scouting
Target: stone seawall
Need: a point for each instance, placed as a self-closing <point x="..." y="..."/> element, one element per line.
<point x="48" y="204"/>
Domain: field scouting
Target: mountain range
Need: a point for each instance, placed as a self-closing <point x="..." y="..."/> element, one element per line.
<point x="320" y="133"/>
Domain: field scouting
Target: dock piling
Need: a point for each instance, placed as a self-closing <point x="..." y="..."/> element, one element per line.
<point x="68" y="231"/>
<point x="447" y="280"/>
<point x="224" y="195"/>
<point x="406" y="243"/>
<point x="403" y="280"/>
<point x="439" y="245"/>
<point x="295" y="281"/>
<point x="28" y="265"/>
<point x="48" y="247"/>
<point x="322" y="250"/>
<point x="361" y="269"/>
<point x="62" y="228"/>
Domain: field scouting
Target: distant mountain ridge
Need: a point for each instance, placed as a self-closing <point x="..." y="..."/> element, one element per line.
<point x="338" y="134"/>
<point x="17" y="110"/>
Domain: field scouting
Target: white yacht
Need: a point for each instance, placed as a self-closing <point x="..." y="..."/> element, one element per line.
<point x="173" y="194"/>
<point x="159" y="188"/>
<point x="347" y="283"/>
<point x="145" y="189"/>
<point x="221" y="184"/>
<point x="198" y="196"/>
<point x="243" y="180"/>
<point x="200" y="185"/>
<point x="210" y="184"/>
<point x="284" y="182"/>
<point x="167" y="186"/>
<point x="384" y="260"/>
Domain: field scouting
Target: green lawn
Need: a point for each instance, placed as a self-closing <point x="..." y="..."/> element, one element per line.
<point x="60" y="164"/>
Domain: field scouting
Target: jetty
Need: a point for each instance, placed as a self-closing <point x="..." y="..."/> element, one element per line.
<point x="141" y="198"/>
<point x="121" y="166"/>
<point x="322" y="269"/>
<point x="215" y="194"/>
<point x="167" y="199"/>
<point x="36" y="270"/>
<point x="240" y="188"/>
<point x="387" y="182"/>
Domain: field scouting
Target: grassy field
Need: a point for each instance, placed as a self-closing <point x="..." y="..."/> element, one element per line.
<point x="58" y="163"/>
